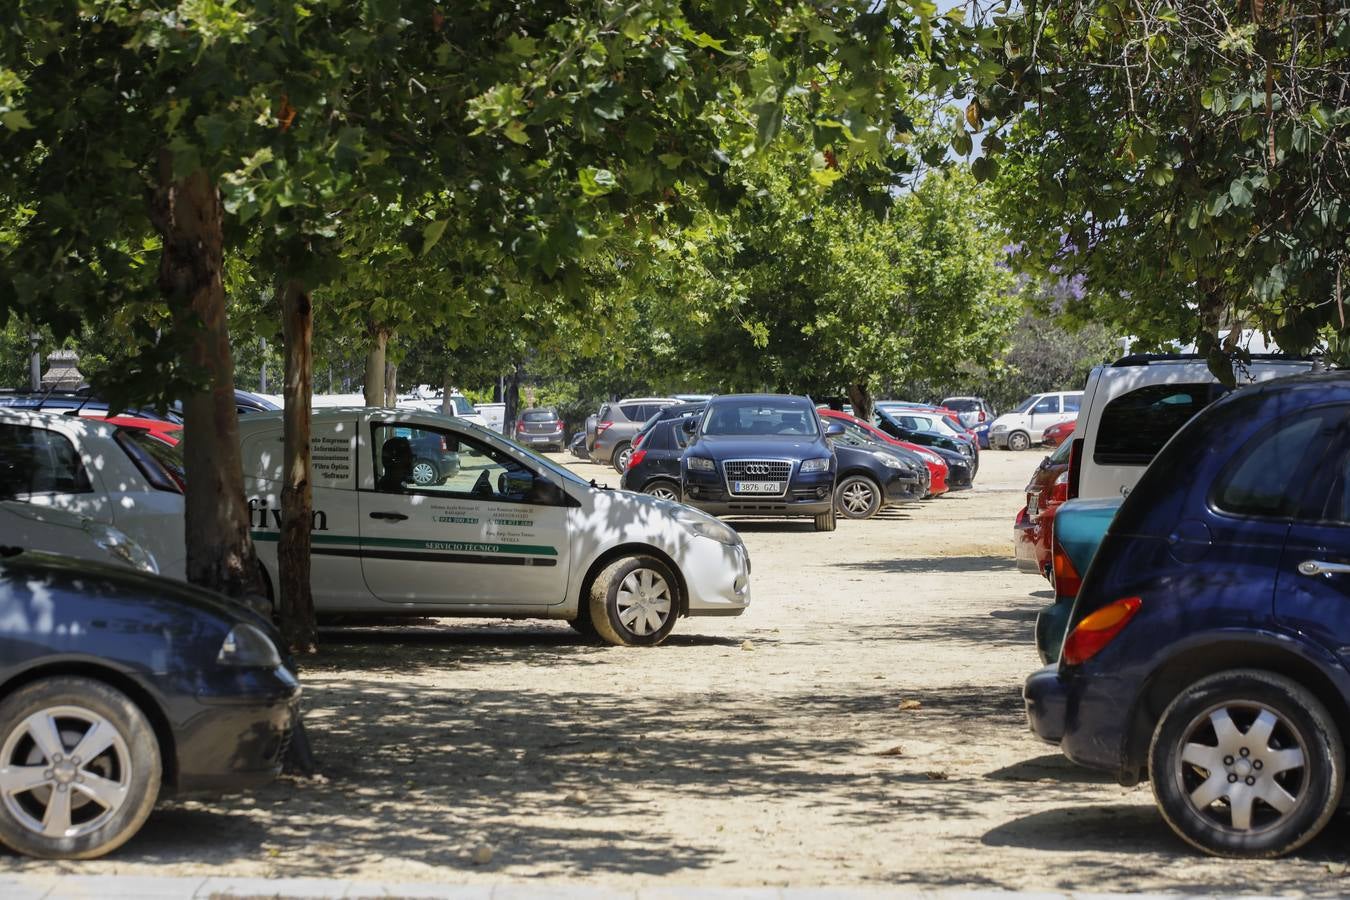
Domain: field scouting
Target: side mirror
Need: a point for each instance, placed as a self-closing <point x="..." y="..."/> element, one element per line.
<point x="690" y="426"/>
<point x="834" y="429"/>
<point x="547" y="493"/>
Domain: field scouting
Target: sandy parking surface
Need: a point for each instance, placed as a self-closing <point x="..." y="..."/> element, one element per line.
<point x="768" y="749"/>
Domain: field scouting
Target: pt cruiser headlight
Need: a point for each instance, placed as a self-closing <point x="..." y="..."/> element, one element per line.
<point x="117" y="544"/>
<point x="708" y="527"/>
<point x="999" y="428"/>
<point x="700" y="464"/>
<point x="247" y="645"/>
<point x="816" y="465"/>
<point x="890" y="462"/>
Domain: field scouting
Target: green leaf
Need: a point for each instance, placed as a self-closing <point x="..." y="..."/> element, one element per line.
<point x="961" y="142"/>
<point x="1240" y="193"/>
<point x="515" y="132"/>
<point x="431" y="234"/>
<point x="15" y="120"/>
<point x="984" y="169"/>
<point x="596" y="182"/>
<point x="770" y="121"/>
<point x="826" y="177"/>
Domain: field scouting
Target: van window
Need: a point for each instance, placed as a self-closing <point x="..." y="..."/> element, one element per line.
<point x="428" y="460"/>
<point x="1046" y="405"/>
<point x="1261" y="479"/>
<point x="1072" y="402"/>
<point x="38" y="461"/>
<point x="635" y="412"/>
<point x="1135" y="426"/>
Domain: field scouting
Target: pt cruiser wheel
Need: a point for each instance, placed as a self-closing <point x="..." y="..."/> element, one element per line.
<point x="1246" y="764"/>
<point x="634" y="602"/>
<point x="79" y="769"/>
<point x="857" y="497"/>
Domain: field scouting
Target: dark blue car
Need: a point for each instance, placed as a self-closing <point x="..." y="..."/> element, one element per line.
<point x="117" y="687"/>
<point x="1208" y="646"/>
<point x="760" y="455"/>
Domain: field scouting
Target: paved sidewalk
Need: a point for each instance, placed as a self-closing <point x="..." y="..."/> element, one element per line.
<point x="120" y="887"/>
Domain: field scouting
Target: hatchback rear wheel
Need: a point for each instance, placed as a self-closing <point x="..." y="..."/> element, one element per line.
<point x="663" y="490"/>
<point x="1246" y="763"/>
<point x="80" y="769"/>
<point x="622" y="454"/>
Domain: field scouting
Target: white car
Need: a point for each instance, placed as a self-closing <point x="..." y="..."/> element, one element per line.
<point x="32" y="527"/>
<point x="508" y="534"/>
<point x="429" y="400"/>
<point x="109" y="474"/>
<point x="1024" y="426"/>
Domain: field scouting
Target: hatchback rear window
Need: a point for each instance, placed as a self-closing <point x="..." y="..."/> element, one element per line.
<point x="1135" y="426"/>
<point x="961" y="405"/>
<point x="539" y="415"/>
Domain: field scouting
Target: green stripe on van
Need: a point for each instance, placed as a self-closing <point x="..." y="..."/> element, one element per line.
<point x="443" y="546"/>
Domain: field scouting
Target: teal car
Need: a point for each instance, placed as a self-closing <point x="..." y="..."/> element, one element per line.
<point x="1077" y="532"/>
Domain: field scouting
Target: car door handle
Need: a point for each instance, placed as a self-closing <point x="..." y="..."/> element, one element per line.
<point x="388" y="516"/>
<point x="1318" y="567"/>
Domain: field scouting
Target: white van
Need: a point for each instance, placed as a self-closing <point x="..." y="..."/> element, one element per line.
<point x="1132" y="407"/>
<point x="493" y="415"/>
<point x="1025" y="425"/>
<point x="497" y="531"/>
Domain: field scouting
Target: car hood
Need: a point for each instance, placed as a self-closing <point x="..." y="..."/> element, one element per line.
<point x="773" y="445"/>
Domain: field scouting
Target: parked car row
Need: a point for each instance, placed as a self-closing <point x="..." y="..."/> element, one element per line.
<point x="1201" y="561"/>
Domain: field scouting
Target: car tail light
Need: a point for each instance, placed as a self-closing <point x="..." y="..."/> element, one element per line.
<point x="1059" y="491"/>
<point x="444" y="446"/>
<point x="981" y="418"/>
<point x="520" y="426"/>
<point x="1097" y="630"/>
<point x="602" y="427"/>
<point x="636" y="458"/>
<point x="1075" y="467"/>
<point x="637" y="441"/>
<point x="1066" y="579"/>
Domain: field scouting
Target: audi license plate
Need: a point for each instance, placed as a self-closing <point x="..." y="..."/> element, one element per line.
<point x="758" y="487"/>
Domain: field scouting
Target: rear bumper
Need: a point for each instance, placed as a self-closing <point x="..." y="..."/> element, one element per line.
<point x="1046" y="699"/>
<point x="1026" y="541"/>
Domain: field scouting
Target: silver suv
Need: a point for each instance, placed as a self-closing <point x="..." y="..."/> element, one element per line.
<point x="617" y="425"/>
<point x="970" y="410"/>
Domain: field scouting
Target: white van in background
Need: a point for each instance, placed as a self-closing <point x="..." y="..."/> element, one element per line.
<point x="494" y="416"/>
<point x="1025" y="425"/>
<point x="1132" y="407"/>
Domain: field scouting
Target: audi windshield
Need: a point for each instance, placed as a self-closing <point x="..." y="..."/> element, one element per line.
<point x="747" y="418"/>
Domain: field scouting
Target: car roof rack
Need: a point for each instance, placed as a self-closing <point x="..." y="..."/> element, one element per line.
<point x="1144" y="359"/>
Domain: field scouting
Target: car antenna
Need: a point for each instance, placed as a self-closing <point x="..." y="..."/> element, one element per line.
<point x="89" y="395"/>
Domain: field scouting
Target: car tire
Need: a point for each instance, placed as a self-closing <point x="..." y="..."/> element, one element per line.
<point x="826" y="521"/>
<point x="107" y="796"/>
<point x="425" y="472"/>
<point x="1019" y="441"/>
<point x="662" y="488"/>
<point x="1204" y="755"/>
<point x="622" y="453"/>
<point x="634" y="602"/>
<point x="857" y="497"/>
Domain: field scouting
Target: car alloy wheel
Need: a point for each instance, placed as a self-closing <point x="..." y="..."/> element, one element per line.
<point x="621" y="458"/>
<point x="1246" y="764"/>
<point x="857" y="497"/>
<point x="634" y="602"/>
<point x="424" y="473"/>
<point x="1019" y="441"/>
<point x="663" y="490"/>
<point x="79" y="769"/>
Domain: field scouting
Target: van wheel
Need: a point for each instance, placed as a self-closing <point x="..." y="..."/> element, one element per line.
<point x="622" y="454"/>
<point x="825" y="521"/>
<point x="1246" y="763"/>
<point x="79" y="769"/>
<point x="857" y="497"/>
<point x="634" y="602"/>
<point x="1018" y="440"/>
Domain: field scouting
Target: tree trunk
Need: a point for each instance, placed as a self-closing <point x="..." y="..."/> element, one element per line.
<point x="390" y="382"/>
<point x="374" y="386"/>
<point x="447" y="387"/>
<point x="187" y="212"/>
<point x="297" y="495"/>
<point x="861" y="398"/>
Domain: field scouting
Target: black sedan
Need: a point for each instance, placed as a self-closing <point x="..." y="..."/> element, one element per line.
<point x="118" y="687"/>
<point x="871" y="477"/>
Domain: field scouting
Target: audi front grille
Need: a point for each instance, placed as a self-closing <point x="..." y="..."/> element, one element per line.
<point x="734" y="470"/>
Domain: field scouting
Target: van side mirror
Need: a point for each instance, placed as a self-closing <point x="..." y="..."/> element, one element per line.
<point x="545" y="492"/>
<point x="834" y="429"/>
<point x="690" y="426"/>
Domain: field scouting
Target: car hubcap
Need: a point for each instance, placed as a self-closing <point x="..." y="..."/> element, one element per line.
<point x="662" y="493"/>
<point x="64" y="772"/>
<point x="1243" y="767"/>
<point x="623" y="458"/>
<point x="423" y="473"/>
<point x="857" y="498"/>
<point x="643" y="602"/>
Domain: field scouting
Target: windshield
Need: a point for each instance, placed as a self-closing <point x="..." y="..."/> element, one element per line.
<point x="1027" y="404"/>
<point x="744" y="418"/>
<point x="463" y="407"/>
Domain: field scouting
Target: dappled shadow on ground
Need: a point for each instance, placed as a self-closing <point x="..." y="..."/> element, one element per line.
<point x="1051" y="768"/>
<point x="996" y="628"/>
<point x="932" y="564"/>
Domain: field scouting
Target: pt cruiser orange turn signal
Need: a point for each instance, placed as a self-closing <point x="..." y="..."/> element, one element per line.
<point x="1097" y="630"/>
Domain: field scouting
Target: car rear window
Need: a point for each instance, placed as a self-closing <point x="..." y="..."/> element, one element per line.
<point x="1135" y="426"/>
<point x="962" y="405"/>
<point x="635" y="412"/>
<point x="161" y="464"/>
<point x="538" y="415"/>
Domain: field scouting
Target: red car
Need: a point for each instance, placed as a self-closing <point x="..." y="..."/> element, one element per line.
<point x="168" y="432"/>
<point x="1049" y="488"/>
<point x="937" y="469"/>
<point x="1058" y="434"/>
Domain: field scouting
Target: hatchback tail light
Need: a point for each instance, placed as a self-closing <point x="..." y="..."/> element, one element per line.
<point x="602" y="427"/>
<point x="1066" y="579"/>
<point x="636" y="458"/>
<point x="981" y="418"/>
<point x="1059" y="491"/>
<point x="520" y="426"/>
<point x="444" y="446"/>
<point x="637" y="441"/>
<point x="1097" y="630"/>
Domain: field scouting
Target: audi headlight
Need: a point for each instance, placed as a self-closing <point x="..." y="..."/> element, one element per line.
<point x="708" y="527"/>
<point x="122" y="548"/>
<point x="247" y="645"/>
<point x="821" y="464"/>
<point x="700" y="464"/>
<point x="890" y="462"/>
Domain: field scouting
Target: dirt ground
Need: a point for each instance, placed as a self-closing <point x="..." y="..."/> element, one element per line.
<point x="777" y="748"/>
